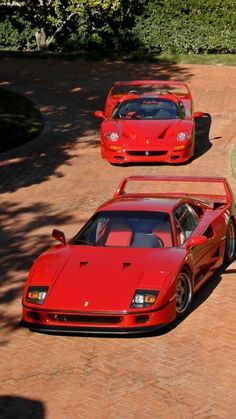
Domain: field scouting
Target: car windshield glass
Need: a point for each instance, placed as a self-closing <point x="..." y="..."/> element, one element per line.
<point x="126" y="229"/>
<point x="147" y="108"/>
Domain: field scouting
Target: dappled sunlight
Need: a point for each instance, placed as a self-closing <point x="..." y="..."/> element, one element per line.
<point x="92" y="98"/>
<point x="64" y="128"/>
<point x="29" y="93"/>
<point x="9" y="325"/>
<point x="31" y="167"/>
<point x="76" y="90"/>
<point x="21" y="245"/>
<point x="5" y="83"/>
<point x="25" y="232"/>
<point x="48" y="110"/>
<point x="24" y="235"/>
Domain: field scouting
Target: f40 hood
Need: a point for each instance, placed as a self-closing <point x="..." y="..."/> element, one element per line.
<point x="100" y="279"/>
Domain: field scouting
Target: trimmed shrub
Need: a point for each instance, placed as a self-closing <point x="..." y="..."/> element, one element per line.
<point x="199" y="26"/>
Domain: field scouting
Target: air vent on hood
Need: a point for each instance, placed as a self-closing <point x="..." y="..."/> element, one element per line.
<point x="126" y="264"/>
<point x="163" y="134"/>
<point x="82" y="264"/>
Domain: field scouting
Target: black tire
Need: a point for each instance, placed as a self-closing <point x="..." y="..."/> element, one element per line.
<point x="229" y="254"/>
<point x="184" y="293"/>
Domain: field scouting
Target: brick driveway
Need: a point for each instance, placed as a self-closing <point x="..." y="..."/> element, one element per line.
<point x="58" y="180"/>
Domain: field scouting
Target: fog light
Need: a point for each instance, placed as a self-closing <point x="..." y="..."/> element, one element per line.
<point x="114" y="147"/>
<point x="179" y="147"/>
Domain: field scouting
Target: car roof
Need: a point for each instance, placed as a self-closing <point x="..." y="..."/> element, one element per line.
<point x="142" y="203"/>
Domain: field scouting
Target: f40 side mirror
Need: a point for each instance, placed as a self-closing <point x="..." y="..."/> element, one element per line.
<point x="196" y="241"/>
<point x="59" y="235"/>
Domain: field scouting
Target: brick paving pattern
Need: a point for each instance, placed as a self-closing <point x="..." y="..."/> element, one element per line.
<point x="58" y="180"/>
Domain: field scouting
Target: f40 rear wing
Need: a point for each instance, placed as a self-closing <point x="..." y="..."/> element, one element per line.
<point x="209" y="188"/>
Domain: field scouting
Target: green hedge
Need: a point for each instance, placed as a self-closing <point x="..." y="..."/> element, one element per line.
<point x="152" y="26"/>
<point x="187" y="26"/>
<point x="15" y="31"/>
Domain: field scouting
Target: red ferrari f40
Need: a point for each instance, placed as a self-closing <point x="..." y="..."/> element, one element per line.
<point x="137" y="262"/>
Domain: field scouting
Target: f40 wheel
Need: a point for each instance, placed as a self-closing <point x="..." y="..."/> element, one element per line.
<point x="184" y="292"/>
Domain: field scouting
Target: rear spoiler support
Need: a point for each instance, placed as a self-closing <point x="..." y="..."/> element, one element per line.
<point x="121" y="188"/>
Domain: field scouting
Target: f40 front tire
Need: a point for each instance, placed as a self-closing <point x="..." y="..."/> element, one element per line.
<point x="184" y="292"/>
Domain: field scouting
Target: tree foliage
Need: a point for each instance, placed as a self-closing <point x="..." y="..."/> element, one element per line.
<point x="148" y="26"/>
<point x="193" y="26"/>
<point x="48" y="18"/>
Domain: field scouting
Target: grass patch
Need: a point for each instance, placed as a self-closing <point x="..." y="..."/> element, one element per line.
<point x="233" y="161"/>
<point x="210" y="59"/>
<point x="20" y="120"/>
<point x="201" y="59"/>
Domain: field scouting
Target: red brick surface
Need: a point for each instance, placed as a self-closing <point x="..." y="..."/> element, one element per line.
<point x="58" y="180"/>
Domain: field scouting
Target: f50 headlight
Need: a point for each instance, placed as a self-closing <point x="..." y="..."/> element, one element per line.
<point x="112" y="136"/>
<point x="182" y="136"/>
<point x="144" y="298"/>
<point x="36" y="294"/>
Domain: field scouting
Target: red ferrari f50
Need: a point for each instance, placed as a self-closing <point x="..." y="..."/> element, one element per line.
<point x="148" y="121"/>
<point x="136" y="264"/>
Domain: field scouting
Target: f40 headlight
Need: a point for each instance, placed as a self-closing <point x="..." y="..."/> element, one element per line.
<point x="144" y="298"/>
<point x="36" y="294"/>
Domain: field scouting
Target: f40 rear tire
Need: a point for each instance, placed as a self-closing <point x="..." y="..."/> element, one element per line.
<point x="230" y="243"/>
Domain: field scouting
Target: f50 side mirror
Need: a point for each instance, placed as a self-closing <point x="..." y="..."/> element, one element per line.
<point x="99" y="114"/>
<point x="198" y="115"/>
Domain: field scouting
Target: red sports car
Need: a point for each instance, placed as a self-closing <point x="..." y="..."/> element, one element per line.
<point x="136" y="264"/>
<point x="148" y="121"/>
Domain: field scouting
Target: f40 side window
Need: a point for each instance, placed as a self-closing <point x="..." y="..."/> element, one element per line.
<point x="186" y="220"/>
